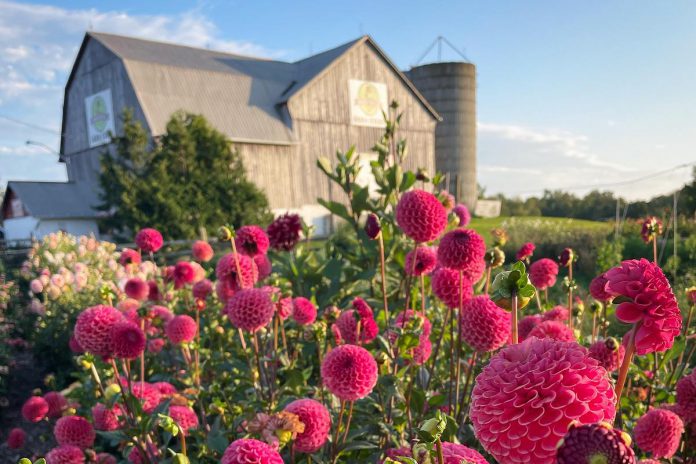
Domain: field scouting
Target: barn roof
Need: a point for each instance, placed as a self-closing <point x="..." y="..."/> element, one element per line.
<point x="54" y="200"/>
<point x="244" y="97"/>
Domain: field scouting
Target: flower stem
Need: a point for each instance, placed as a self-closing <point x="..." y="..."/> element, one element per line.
<point x="334" y="448"/>
<point x="438" y="447"/>
<point x="623" y="371"/>
<point x="513" y="320"/>
<point x="489" y="270"/>
<point x="469" y="374"/>
<point x="459" y="341"/>
<point x="437" y="347"/>
<point x="570" y="294"/>
<point x="350" y="416"/>
<point x="382" y="265"/>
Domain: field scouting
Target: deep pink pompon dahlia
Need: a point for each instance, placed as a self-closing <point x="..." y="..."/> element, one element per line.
<point x="686" y="396"/>
<point x="462" y="250"/>
<point x="595" y="443"/>
<point x="526" y="397"/>
<point x="106" y="458"/>
<point x="202" y="289"/>
<point x="16" y="438"/>
<point x="93" y="329"/>
<point x="149" y="240"/>
<point x="659" y="432"/>
<point x="445" y="284"/>
<point x="349" y="372"/>
<point x="226" y="271"/>
<point x="420" y="261"/>
<point x="462" y="212"/>
<point x="137" y="289"/>
<point x="184" y="273"/>
<point x="128" y="340"/>
<point x="484" y="326"/>
<point x="35" y="409"/>
<point x="106" y="419"/>
<point x="129" y="256"/>
<point x="347" y="323"/>
<point x="558" y="313"/>
<point x="454" y="453"/>
<point x="317" y="422"/>
<point x="264" y="265"/>
<point x="553" y="329"/>
<point x="149" y="395"/>
<point x="421" y="215"/>
<point x="184" y="416"/>
<point x="250" y="309"/>
<point x="609" y="354"/>
<point x="202" y="251"/>
<point x="526" y="251"/>
<point x="543" y="273"/>
<point x="65" y="454"/>
<point x="56" y="404"/>
<point x="74" y="430"/>
<point x="181" y="329"/>
<point x="303" y="311"/>
<point x="527" y="324"/>
<point x="250" y="451"/>
<point x="251" y="241"/>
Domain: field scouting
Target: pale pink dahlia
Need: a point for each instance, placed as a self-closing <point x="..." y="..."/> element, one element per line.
<point x="250" y="309"/>
<point x="56" y="404"/>
<point x="303" y="311"/>
<point x="137" y="289"/>
<point x="462" y="212"/>
<point x="65" y="454"/>
<point x="349" y="372"/>
<point x="128" y="340"/>
<point x="543" y="273"/>
<point x="527" y="324"/>
<point x="74" y="430"/>
<point x="420" y="261"/>
<point x="250" y="451"/>
<point x="595" y="443"/>
<point x="226" y="271"/>
<point x="149" y="240"/>
<point x="181" y="329"/>
<point x="421" y="215"/>
<point x="598" y="289"/>
<point x="558" y="313"/>
<point x="454" y="453"/>
<point x="484" y="326"/>
<point x="445" y="284"/>
<point x="202" y="251"/>
<point x="106" y="419"/>
<point x="652" y="305"/>
<point x="526" y="397"/>
<point x="609" y="353"/>
<point x="16" y="438"/>
<point x="553" y="329"/>
<point x="185" y="417"/>
<point x="686" y="396"/>
<point x="284" y="232"/>
<point x="251" y="241"/>
<point x="93" y="329"/>
<point x="462" y="250"/>
<point x="659" y="432"/>
<point x="317" y="422"/>
<point x="347" y="323"/>
<point x="35" y="409"/>
<point x="526" y="251"/>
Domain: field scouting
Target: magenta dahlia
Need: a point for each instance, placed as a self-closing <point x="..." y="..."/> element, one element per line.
<point x="202" y="289"/>
<point x="347" y="323"/>
<point x="557" y="313"/>
<point x="137" y="289"/>
<point x="454" y="453"/>
<point x="526" y="251"/>
<point x="35" y="409"/>
<point x="659" y="432"/>
<point x="484" y="326"/>
<point x="598" y="289"/>
<point x="74" y="345"/>
<point x="65" y="454"/>
<point x="527" y="324"/>
<point x="317" y="423"/>
<point x="165" y="388"/>
<point x="554" y="330"/>
<point x="181" y="329"/>
<point x="93" y="329"/>
<point x="184" y="273"/>
<point x="420" y="261"/>
<point x="303" y="311"/>
<point x="149" y="240"/>
<point x="106" y="419"/>
<point x="609" y="353"/>
<point x="106" y="458"/>
<point x="250" y="451"/>
<point x="202" y="251"/>
<point x="463" y="214"/>
<point x="421" y="215"/>
<point x="16" y="438"/>
<point x="250" y="309"/>
<point x="651" y="228"/>
<point x="74" y="430"/>
<point x="566" y="257"/>
<point x="185" y="417"/>
<point x="595" y="443"/>
<point x="462" y="250"/>
<point x="445" y="284"/>
<point x="263" y="264"/>
<point x="148" y="394"/>
<point x="526" y="397"/>
<point x="349" y="372"/>
<point x="226" y="271"/>
<point x="543" y="273"/>
<point x="686" y="396"/>
<point x="251" y="241"/>
<point x="56" y="404"/>
<point x="284" y="308"/>
<point x="129" y="256"/>
<point x="284" y="232"/>
<point x="128" y="340"/>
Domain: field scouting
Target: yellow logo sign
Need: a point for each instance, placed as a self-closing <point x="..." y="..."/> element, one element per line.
<point x="367" y="99"/>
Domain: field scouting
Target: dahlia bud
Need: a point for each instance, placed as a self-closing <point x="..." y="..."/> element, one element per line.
<point x="422" y="175"/>
<point x="569" y="284"/>
<point x="612" y="344"/>
<point x="500" y="236"/>
<point x="372" y="226"/>
<point x="495" y="257"/>
<point x="596" y="307"/>
<point x="652" y="227"/>
<point x="512" y="282"/>
<point x="111" y="391"/>
<point x="331" y="313"/>
<point x="224" y="234"/>
<point x="180" y="459"/>
<point x="381" y="358"/>
<point x="691" y="294"/>
<point x="567" y="257"/>
<point x="432" y="429"/>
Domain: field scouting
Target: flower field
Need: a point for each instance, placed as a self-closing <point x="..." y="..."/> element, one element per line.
<point x="405" y="337"/>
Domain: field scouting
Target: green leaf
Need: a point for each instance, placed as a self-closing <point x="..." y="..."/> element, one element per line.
<point x="336" y="208"/>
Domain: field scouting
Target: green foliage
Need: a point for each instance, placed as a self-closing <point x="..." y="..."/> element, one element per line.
<point x="190" y="179"/>
<point x="609" y="254"/>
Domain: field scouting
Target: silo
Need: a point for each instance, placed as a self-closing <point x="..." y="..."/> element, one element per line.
<point x="450" y="87"/>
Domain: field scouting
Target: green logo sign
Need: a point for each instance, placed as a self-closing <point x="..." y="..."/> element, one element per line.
<point x="100" y="116"/>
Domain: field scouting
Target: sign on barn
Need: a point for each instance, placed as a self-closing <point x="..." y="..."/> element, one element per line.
<point x="368" y="103"/>
<point x="100" y="118"/>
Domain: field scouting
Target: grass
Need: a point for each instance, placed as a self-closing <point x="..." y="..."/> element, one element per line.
<point x="484" y="225"/>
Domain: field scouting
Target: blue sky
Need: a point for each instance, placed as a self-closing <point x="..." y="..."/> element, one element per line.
<point x="569" y="93"/>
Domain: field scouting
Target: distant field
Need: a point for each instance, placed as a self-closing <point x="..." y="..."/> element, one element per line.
<point x="484" y="225"/>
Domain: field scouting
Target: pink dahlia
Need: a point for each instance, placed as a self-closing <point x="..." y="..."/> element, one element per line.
<point x="251" y="241"/>
<point x="303" y="311"/>
<point x="16" y="438"/>
<point x="165" y="388"/>
<point x="250" y="309"/>
<point x="155" y="345"/>
<point x="148" y="394"/>
<point x="651" y="304"/>
<point x="284" y="232"/>
<point x="161" y="313"/>
<point x="420" y="261"/>
<point x="149" y="240"/>
<point x="445" y="284"/>
<point x="74" y="430"/>
<point x="128" y="340"/>
<point x="106" y="458"/>
<point x="686" y="396"/>
<point x="185" y="417"/>
<point x="56" y="404"/>
<point x="284" y="308"/>
<point x="454" y="453"/>
<point x="137" y="289"/>
<point x="566" y="257"/>
<point x="181" y="329"/>
<point x="558" y="313"/>
<point x="553" y="329"/>
<point x="202" y="251"/>
<point x="35" y="409"/>
<point x="202" y="289"/>
<point x="526" y="251"/>
<point x="129" y="256"/>
<point x="349" y="372"/>
<point x="106" y="419"/>
<point x="184" y="273"/>
<point x="224" y="290"/>
<point x="263" y="264"/>
<point x="659" y="432"/>
<point x="250" y="451"/>
<point x="317" y="422"/>
<point x="598" y="289"/>
<point x="461" y="249"/>
<point x="484" y="326"/>
<point x="543" y="273"/>
<point x="421" y="215"/>
<point x="595" y="443"/>
<point x="93" y="329"/>
<point x="226" y="271"/>
<point x="649" y="461"/>
<point x="527" y="324"/>
<point x="373" y="227"/>
<point x="65" y="454"/>
<point x="347" y="323"/>
<point x="609" y="353"/>
<point x="650" y="229"/>
<point x="74" y="345"/>
<point x="526" y="397"/>
<point x="462" y="212"/>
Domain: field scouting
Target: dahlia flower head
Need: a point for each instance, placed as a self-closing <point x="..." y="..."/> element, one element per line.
<point x="484" y="326"/>
<point x="250" y="309"/>
<point x="106" y="458"/>
<point x="74" y="345"/>
<point x="93" y="329"/>
<point x="129" y="256"/>
<point x="650" y="229"/>
<point x="445" y="285"/>
<point x="347" y="323"/>
<point x="148" y="394"/>
<point x="527" y="324"/>
<point x="566" y="257"/>
<point x="137" y="289"/>
<point x="595" y="443"/>
<point x="202" y="289"/>
<point x="463" y="214"/>
<point x="421" y="216"/>
<point x="185" y="417"/>
<point x="554" y="330"/>
<point x="74" y="430"/>
<point x="128" y="340"/>
<point x="454" y="453"/>
<point x="16" y="438"/>
<point x="226" y="271"/>
<point x="652" y="305"/>
<point x="317" y="423"/>
<point x="349" y="372"/>
<point x="149" y="240"/>
<point x="526" y="397"/>
<point x="543" y="273"/>
<point x="250" y="451"/>
<point x="284" y="232"/>
<point x="106" y="419"/>
<point x="184" y="273"/>
<point x="420" y="261"/>
<point x="65" y="454"/>
<point x="462" y="250"/>
<point x="525" y="252"/>
<point x="686" y="396"/>
<point x="251" y="241"/>
<point x="284" y="307"/>
<point x="373" y="227"/>
<point x="56" y="404"/>
<point x="181" y="329"/>
<point x="303" y="311"/>
<point x="609" y="353"/>
<point x="598" y="289"/>
<point x="659" y="433"/>
<point x="202" y="251"/>
<point x="264" y="265"/>
<point x="557" y="313"/>
<point x="35" y="409"/>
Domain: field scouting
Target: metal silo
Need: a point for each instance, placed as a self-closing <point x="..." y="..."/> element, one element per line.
<point x="450" y="87"/>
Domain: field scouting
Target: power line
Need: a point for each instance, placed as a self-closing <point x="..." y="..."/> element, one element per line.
<point x="28" y="124"/>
